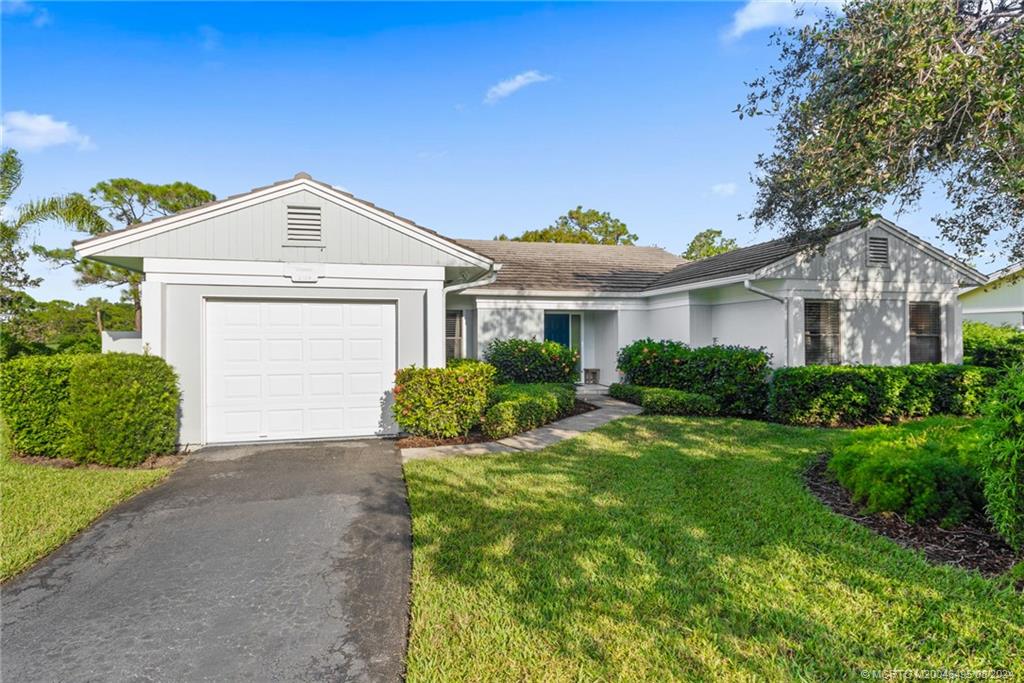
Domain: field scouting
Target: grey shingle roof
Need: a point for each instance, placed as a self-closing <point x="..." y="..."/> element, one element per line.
<point x="567" y="267"/>
<point x="738" y="262"/>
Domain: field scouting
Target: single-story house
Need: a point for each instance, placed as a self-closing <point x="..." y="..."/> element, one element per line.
<point x="287" y="309"/>
<point x="1000" y="301"/>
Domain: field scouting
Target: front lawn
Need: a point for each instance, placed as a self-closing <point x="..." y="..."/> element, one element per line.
<point x="665" y="547"/>
<point x="42" y="507"/>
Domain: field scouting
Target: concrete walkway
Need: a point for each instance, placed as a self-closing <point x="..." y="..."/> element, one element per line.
<point x="608" y="409"/>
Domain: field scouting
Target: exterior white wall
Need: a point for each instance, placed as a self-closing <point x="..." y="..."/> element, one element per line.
<point x="173" y="315"/>
<point x="507" y="322"/>
<point x="121" y="342"/>
<point x="1001" y="303"/>
<point x="600" y="329"/>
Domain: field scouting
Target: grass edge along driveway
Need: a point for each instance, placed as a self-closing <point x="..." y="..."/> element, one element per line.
<point x="660" y="548"/>
<point x="43" y="507"/>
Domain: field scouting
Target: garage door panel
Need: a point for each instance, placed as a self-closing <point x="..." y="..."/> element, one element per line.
<point x="327" y="349"/>
<point x="365" y="349"/>
<point x="287" y="370"/>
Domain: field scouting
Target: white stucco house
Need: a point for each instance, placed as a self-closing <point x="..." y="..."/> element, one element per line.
<point x="1000" y="301"/>
<point x="287" y="309"/>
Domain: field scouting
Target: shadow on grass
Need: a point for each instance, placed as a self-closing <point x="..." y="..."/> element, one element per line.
<point x="669" y="547"/>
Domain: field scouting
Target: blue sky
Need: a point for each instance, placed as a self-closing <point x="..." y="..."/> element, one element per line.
<point x="472" y="119"/>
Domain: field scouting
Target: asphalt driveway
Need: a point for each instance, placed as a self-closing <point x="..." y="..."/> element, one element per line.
<point x="251" y="563"/>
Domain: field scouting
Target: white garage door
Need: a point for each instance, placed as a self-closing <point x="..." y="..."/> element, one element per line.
<point x="297" y="369"/>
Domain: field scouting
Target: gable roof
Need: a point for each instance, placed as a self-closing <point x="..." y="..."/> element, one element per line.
<point x="549" y="266"/>
<point x="754" y="260"/>
<point x="742" y="261"/>
<point x="99" y="243"/>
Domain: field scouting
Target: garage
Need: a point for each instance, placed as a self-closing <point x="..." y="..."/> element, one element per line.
<point x="292" y="369"/>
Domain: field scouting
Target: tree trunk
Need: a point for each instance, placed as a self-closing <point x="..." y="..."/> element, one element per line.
<point x="136" y="295"/>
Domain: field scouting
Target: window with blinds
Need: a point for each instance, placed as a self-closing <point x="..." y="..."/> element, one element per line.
<point x="821" y="333"/>
<point x="925" y="332"/>
<point x="453" y="331"/>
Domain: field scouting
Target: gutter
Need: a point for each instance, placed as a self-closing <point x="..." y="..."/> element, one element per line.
<point x="489" y="277"/>
<point x="784" y="301"/>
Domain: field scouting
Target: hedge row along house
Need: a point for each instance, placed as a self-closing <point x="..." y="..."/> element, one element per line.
<point x="286" y="310"/>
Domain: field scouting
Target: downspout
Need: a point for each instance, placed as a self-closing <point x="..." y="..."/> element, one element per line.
<point x="487" y="278"/>
<point x="782" y="300"/>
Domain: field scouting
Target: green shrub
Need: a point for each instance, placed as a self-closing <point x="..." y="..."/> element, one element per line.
<point x="442" y="402"/>
<point x="736" y="377"/>
<point x="991" y="346"/>
<point x="527" y="361"/>
<point x="456" y="362"/>
<point x="923" y="470"/>
<point x="674" y="402"/>
<point x="834" y="395"/>
<point x="122" y="408"/>
<point x="520" y="407"/>
<point x="34" y="403"/>
<point x="630" y="393"/>
<point x="1002" y="458"/>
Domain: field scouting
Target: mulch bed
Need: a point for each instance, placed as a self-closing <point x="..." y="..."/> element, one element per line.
<point x="151" y="463"/>
<point x="476" y="436"/>
<point x="971" y="545"/>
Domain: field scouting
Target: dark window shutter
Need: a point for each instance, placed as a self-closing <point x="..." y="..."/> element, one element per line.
<point x="821" y="333"/>
<point x="925" y="332"/>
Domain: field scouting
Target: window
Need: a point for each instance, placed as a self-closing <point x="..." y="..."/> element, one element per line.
<point x="821" y="332"/>
<point x="925" y="332"/>
<point x="453" y="331"/>
<point x="304" y="225"/>
<point x="878" y="251"/>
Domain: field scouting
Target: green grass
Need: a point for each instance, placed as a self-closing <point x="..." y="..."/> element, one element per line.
<point x="42" y="507"/>
<point x="660" y="548"/>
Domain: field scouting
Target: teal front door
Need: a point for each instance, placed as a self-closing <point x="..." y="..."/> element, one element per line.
<point x="567" y="330"/>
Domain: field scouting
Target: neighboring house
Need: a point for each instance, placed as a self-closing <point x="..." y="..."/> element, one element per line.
<point x="286" y="310"/>
<point x="1000" y="301"/>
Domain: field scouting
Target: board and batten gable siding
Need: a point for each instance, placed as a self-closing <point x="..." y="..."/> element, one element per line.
<point x="259" y="233"/>
<point x="846" y="260"/>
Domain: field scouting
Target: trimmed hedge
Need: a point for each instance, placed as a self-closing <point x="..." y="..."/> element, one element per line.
<point x="122" y="407"/>
<point x="520" y="407"/>
<point x="527" y="361"/>
<point x="33" y="402"/>
<point x="991" y="346"/>
<point x="109" y="409"/>
<point x="1002" y="458"/>
<point x="834" y="395"/>
<point x="923" y="470"/>
<point x="674" y="402"/>
<point x="442" y="402"/>
<point x="630" y="393"/>
<point x="736" y="377"/>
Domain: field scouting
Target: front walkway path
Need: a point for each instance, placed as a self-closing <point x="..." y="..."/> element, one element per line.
<point x="608" y="409"/>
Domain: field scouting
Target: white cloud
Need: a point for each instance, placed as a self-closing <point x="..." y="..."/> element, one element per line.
<point x="210" y="38"/>
<point x="505" y="88"/>
<point x="758" y="14"/>
<point x="25" y="131"/>
<point x="39" y="16"/>
<point x="724" y="189"/>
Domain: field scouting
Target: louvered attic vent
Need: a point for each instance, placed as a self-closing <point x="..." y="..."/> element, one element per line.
<point x="878" y="251"/>
<point x="304" y="225"/>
